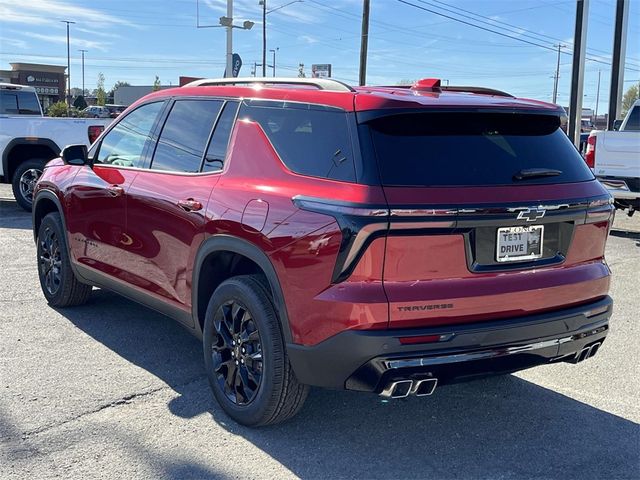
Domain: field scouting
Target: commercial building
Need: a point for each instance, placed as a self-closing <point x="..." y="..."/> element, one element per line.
<point x="48" y="80"/>
<point x="128" y="94"/>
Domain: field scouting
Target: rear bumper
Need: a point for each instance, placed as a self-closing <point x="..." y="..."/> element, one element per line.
<point x="370" y="360"/>
<point x="621" y="188"/>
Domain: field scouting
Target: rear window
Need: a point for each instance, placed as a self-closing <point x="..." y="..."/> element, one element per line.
<point x="633" y="122"/>
<point x="310" y="139"/>
<point x="14" y="102"/>
<point x="468" y="149"/>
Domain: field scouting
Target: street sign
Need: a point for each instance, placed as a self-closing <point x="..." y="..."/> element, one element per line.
<point x="321" y="70"/>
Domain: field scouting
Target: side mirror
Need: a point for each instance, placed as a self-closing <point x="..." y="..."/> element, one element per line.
<point x="75" y="155"/>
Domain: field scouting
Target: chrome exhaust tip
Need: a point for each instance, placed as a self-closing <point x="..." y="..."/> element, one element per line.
<point x="398" y="389"/>
<point x="425" y="387"/>
<point x="594" y="349"/>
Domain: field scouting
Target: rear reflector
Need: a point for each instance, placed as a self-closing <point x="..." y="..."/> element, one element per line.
<point x="94" y="132"/>
<point x="421" y="339"/>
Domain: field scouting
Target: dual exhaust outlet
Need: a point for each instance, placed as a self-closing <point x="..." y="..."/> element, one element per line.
<point x="587" y="352"/>
<point x="404" y="388"/>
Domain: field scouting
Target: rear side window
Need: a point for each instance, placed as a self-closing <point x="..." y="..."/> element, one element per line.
<point x="217" y="151"/>
<point x="467" y="149"/>
<point x="310" y="140"/>
<point x="185" y="134"/>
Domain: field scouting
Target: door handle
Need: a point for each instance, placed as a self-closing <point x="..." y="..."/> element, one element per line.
<point x="115" y="190"/>
<point x="190" y="205"/>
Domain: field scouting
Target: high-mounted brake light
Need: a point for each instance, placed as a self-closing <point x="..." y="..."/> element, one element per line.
<point x="94" y="132"/>
<point x="590" y="154"/>
<point x="427" y="85"/>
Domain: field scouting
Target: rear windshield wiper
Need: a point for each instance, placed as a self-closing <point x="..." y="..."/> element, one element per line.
<point x="527" y="173"/>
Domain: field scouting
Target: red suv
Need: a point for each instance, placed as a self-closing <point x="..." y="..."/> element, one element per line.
<point x="378" y="239"/>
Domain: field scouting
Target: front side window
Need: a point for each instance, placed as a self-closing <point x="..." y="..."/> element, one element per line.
<point x="185" y="134"/>
<point x="125" y="144"/>
<point x="311" y="140"/>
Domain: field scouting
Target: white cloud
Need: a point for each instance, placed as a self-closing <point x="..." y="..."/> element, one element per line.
<point x="41" y="12"/>
<point x="308" y="39"/>
<point x="14" y="42"/>
<point x="78" y="42"/>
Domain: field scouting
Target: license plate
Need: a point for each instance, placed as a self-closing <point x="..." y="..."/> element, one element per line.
<point x="515" y="244"/>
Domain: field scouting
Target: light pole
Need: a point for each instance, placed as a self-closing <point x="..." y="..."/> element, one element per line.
<point x="83" y="52"/>
<point x="227" y="22"/>
<point x="68" y="22"/>
<point x="557" y="75"/>
<point x="263" y="3"/>
<point x="274" y="59"/>
<point x="364" y="42"/>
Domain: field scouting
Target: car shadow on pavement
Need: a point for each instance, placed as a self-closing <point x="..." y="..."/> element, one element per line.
<point x="501" y="427"/>
<point x="13" y="216"/>
<point x="615" y="232"/>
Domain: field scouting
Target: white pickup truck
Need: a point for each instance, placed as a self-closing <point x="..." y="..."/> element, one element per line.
<point x="614" y="157"/>
<point x="28" y="139"/>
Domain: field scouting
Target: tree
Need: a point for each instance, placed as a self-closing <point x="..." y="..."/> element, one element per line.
<point x="80" y="103"/>
<point x="630" y="96"/>
<point x="301" y="73"/>
<point x="405" y="81"/>
<point x="101" y="95"/>
<point x="156" y="84"/>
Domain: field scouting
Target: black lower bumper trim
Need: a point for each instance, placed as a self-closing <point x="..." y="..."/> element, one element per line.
<point x="368" y="360"/>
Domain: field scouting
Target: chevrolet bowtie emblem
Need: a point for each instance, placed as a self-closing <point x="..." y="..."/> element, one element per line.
<point x="531" y="214"/>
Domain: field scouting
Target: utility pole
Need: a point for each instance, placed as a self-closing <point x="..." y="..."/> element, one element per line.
<point x="597" y="96"/>
<point x="364" y="42"/>
<point x="577" y="71"/>
<point x="68" y="22"/>
<point x="617" y="64"/>
<point x="264" y="38"/>
<point x="229" y="70"/>
<point x="557" y="75"/>
<point x="274" y="60"/>
<point x="83" y="52"/>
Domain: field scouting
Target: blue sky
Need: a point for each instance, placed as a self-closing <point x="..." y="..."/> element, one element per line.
<point x="134" y="40"/>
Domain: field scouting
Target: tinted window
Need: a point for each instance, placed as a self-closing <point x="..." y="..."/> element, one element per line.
<point x="217" y="151"/>
<point x="8" y="103"/>
<point x="634" y="120"/>
<point x="15" y="102"/>
<point x="185" y="134"/>
<point x="28" y="103"/>
<point x="310" y="140"/>
<point x="456" y="149"/>
<point x="124" y="145"/>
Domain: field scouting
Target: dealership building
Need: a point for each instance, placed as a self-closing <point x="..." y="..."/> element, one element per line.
<point x="48" y="80"/>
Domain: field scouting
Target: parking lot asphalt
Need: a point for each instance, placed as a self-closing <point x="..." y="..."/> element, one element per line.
<point x="114" y="390"/>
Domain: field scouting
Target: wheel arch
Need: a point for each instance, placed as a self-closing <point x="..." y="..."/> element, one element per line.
<point x="16" y="152"/>
<point x="203" y="283"/>
<point x="45" y="202"/>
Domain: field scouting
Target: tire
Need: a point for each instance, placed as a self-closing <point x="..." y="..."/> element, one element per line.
<point x="59" y="284"/>
<point x="24" y="179"/>
<point x="252" y="380"/>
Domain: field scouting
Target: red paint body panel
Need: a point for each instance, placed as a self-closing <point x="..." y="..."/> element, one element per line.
<point x="163" y="238"/>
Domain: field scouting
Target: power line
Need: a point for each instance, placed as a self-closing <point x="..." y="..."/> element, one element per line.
<point x="480" y="27"/>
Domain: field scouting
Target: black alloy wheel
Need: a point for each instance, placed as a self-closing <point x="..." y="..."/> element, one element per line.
<point x="237" y="353"/>
<point x="49" y="260"/>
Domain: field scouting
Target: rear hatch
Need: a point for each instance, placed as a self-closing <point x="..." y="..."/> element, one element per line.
<point x="492" y="214"/>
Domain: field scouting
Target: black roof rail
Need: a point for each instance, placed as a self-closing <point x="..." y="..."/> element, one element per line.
<point x="328" y="84"/>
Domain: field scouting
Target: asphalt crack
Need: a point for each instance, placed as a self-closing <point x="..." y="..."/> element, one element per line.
<point x="126" y="400"/>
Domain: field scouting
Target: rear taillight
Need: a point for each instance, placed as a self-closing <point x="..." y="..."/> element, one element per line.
<point x="94" y="132"/>
<point x="590" y="155"/>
